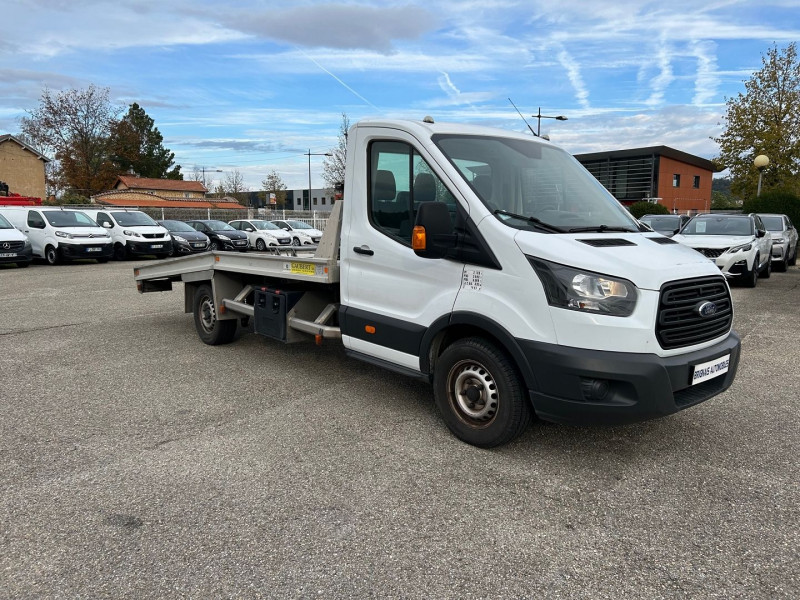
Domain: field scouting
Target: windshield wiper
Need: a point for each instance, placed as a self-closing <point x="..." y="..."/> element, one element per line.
<point x="534" y="220"/>
<point x="600" y="228"/>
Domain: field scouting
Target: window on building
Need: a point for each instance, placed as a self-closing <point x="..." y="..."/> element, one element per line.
<point x="187" y="195"/>
<point x="696" y="182"/>
<point x="315" y="200"/>
<point x="323" y="201"/>
<point x="676" y="180"/>
<point x="299" y="201"/>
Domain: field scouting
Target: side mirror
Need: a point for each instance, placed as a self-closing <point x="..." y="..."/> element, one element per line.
<point x="107" y="225"/>
<point x="761" y="233"/>
<point x="249" y="229"/>
<point x="433" y="233"/>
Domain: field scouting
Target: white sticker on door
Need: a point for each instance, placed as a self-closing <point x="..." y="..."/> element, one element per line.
<point x="472" y="280"/>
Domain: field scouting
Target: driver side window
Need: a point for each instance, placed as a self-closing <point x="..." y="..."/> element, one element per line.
<point x="400" y="180"/>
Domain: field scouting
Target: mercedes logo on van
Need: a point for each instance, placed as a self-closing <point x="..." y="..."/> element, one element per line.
<point x="6" y="245"/>
<point x="706" y="309"/>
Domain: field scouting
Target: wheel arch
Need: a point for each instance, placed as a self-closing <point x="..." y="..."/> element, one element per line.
<point x="459" y="325"/>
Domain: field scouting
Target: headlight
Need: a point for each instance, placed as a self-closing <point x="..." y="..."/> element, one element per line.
<point x="178" y="238"/>
<point x="130" y="233"/>
<point x="224" y="238"/>
<point x="778" y="240"/>
<point x="63" y="234"/>
<point x="566" y="287"/>
<point x="27" y="243"/>
<point x="742" y="248"/>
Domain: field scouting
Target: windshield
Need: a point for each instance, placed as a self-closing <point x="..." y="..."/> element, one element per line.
<point x="666" y="223"/>
<point x="177" y="226"/>
<point x="773" y="223"/>
<point x="264" y="225"/>
<point x="718" y="226"/>
<point x="133" y="219"/>
<point x="526" y="179"/>
<point x="219" y="226"/>
<point x="68" y="218"/>
<point x="5" y="224"/>
<point x="299" y="225"/>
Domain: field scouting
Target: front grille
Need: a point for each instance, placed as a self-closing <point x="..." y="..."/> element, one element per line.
<point x="679" y="323"/>
<point x="12" y="246"/>
<point x="712" y="252"/>
<point x="285" y="241"/>
<point x="152" y="236"/>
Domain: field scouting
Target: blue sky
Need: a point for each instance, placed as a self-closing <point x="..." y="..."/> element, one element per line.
<point x="254" y="85"/>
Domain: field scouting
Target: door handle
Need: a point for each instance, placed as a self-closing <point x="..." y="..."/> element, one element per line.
<point x="363" y="250"/>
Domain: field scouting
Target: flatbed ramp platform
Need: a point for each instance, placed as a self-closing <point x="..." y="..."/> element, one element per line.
<point x="222" y="287"/>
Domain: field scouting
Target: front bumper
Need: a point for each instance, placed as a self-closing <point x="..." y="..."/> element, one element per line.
<point x="189" y="247"/>
<point x="21" y="256"/>
<point x="637" y="387"/>
<point x="149" y="247"/>
<point x="779" y="251"/>
<point x="70" y="251"/>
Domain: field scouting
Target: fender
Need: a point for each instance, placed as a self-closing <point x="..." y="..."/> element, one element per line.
<point x="477" y="321"/>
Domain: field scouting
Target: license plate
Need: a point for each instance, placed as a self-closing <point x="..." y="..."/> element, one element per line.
<point x="303" y="268"/>
<point x="709" y="370"/>
<point x="154" y="246"/>
<point x="94" y="249"/>
<point x="198" y="245"/>
<point x="8" y="254"/>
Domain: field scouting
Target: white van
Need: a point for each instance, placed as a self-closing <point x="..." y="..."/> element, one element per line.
<point x="15" y="247"/>
<point x="59" y="234"/>
<point x="133" y="232"/>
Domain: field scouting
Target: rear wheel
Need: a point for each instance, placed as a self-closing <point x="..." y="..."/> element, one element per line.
<point x="51" y="255"/>
<point x="479" y="393"/>
<point x="210" y="329"/>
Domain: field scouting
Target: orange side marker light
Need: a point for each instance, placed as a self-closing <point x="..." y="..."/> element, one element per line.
<point x="418" y="241"/>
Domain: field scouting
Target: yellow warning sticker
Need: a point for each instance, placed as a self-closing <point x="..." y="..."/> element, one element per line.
<point x="303" y="268"/>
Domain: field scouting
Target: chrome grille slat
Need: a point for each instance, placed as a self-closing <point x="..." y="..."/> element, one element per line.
<point x="678" y="324"/>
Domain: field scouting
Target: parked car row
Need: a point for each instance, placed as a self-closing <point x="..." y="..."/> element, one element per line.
<point x="57" y="234"/>
<point x="744" y="247"/>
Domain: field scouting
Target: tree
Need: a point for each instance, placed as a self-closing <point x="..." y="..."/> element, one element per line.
<point x="234" y="183"/>
<point x="641" y="208"/>
<point x="765" y="120"/>
<point x="137" y="145"/>
<point x="273" y="184"/>
<point x="74" y="127"/>
<point x="333" y="166"/>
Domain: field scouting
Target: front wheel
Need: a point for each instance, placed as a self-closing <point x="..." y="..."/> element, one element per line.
<point x="751" y="278"/>
<point x="793" y="260"/>
<point x="295" y="241"/>
<point x="214" y="246"/>
<point x="51" y="255"/>
<point x="480" y="394"/>
<point x="210" y="329"/>
<point x="767" y="270"/>
<point x="120" y="253"/>
<point x="261" y="245"/>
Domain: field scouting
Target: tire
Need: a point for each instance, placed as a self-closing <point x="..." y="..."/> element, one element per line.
<point x="260" y="245"/>
<point x="783" y="265"/>
<point x="793" y="259"/>
<point x="767" y="270"/>
<point x="24" y="265"/>
<point x="164" y="255"/>
<point x="751" y="279"/>
<point x="51" y="255"/>
<point x="102" y="261"/>
<point x="211" y="330"/>
<point x="295" y="241"/>
<point x="120" y="252"/>
<point x="479" y="393"/>
<point x="213" y="246"/>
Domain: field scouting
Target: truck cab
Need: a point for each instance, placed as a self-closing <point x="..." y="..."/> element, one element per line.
<point x="537" y="284"/>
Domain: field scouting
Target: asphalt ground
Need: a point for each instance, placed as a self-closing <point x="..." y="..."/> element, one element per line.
<point x="137" y="462"/>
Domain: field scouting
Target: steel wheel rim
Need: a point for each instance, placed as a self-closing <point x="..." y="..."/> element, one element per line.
<point x="208" y="314"/>
<point x="473" y="393"/>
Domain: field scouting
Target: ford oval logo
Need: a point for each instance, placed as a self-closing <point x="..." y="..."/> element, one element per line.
<point x="707" y="309"/>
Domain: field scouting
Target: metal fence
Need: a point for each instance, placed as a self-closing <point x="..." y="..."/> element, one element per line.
<point x="318" y="220"/>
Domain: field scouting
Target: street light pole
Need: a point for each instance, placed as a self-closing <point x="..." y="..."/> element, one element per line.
<point x="309" y="154"/>
<point x="539" y="116"/>
<point x="210" y="171"/>
<point x="761" y="162"/>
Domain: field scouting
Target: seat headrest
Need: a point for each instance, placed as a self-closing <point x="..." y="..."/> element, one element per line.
<point x="424" y="188"/>
<point x="384" y="187"/>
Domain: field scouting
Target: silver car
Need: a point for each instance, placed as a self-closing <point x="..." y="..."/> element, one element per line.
<point x="784" y="240"/>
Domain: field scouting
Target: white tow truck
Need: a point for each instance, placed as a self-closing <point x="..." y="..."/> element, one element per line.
<point x="494" y="266"/>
